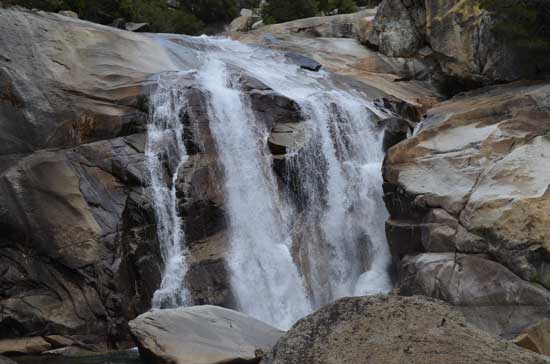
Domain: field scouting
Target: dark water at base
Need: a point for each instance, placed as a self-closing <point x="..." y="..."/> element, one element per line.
<point x="124" y="357"/>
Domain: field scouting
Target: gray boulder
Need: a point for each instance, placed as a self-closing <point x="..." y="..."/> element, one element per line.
<point x="202" y="335"/>
<point x="488" y="294"/>
<point x="389" y="330"/>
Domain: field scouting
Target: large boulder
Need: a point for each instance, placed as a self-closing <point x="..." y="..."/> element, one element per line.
<point x="487" y="293"/>
<point x="458" y="34"/>
<point x="392" y="329"/>
<point x="473" y="180"/>
<point x="202" y="335"/>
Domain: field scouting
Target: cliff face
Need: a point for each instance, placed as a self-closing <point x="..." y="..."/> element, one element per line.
<point x="474" y="181"/>
<point x="77" y="230"/>
<point x="457" y="35"/>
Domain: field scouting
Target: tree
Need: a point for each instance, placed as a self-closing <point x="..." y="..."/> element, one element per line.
<point x="279" y="11"/>
<point x="525" y="24"/>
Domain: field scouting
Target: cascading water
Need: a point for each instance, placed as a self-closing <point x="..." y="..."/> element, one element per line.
<point x="265" y="278"/>
<point x="291" y="249"/>
<point x="165" y="154"/>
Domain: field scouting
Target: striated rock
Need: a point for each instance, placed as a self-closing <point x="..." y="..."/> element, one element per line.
<point x="202" y="335"/>
<point x="392" y="329"/>
<point x="488" y="294"/>
<point x="536" y="338"/>
<point x="78" y="235"/>
<point x="473" y="181"/>
<point x="27" y="345"/>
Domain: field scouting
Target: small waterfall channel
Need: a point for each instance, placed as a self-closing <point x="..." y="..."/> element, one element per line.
<point x="299" y="238"/>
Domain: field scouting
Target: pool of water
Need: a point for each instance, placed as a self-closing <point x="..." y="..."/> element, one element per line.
<point x="122" y="357"/>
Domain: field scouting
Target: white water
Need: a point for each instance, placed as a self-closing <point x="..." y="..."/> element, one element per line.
<point x="165" y="154"/>
<point x="342" y="247"/>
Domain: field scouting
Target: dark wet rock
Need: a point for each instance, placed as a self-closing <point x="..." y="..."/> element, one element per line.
<point x="303" y="62"/>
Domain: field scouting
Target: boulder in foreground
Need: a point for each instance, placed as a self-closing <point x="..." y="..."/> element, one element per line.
<point x="392" y="329"/>
<point x="202" y="335"/>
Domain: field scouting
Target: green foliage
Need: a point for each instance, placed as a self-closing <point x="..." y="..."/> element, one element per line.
<point x="525" y="24"/>
<point x="279" y="11"/>
<point x="190" y="17"/>
<point x="341" y="6"/>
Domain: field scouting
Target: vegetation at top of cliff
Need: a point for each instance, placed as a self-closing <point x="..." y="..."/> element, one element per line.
<point x="279" y="11"/>
<point x="524" y="23"/>
<point x="188" y="16"/>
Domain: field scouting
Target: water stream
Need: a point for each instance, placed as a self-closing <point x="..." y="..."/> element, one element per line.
<point x="292" y="249"/>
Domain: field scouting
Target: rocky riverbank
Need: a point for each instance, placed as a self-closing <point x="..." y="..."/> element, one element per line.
<point x="468" y="194"/>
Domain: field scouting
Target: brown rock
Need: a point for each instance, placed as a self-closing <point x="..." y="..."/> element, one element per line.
<point x="392" y="329"/>
<point x="536" y="338"/>
<point x="26" y="345"/>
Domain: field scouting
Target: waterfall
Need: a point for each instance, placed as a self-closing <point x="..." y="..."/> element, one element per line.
<point x="265" y="278"/>
<point x="293" y="247"/>
<point x="164" y="155"/>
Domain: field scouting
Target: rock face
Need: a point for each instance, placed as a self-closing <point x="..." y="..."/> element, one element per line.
<point x="202" y="335"/>
<point x="77" y="231"/>
<point x="31" y="345"/>
<point x="485" y="291"/>
<point x="473" y="180"/>
<point x="79" y="253"/>
<point x="457" y="34"/>
<point x="392" y="329"/>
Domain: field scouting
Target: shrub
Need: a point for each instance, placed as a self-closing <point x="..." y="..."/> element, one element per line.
<point x="190" y="17"/>
<point x="525" y="24"/>
<point x="279" y="11"/>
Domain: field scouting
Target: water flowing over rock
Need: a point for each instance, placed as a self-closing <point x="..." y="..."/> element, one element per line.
<point x="392" y="329"/>
<point x="202" y="335"/>
<point x="165" y="139"/>
<point x="143" y="169"/>
<point x="302" y="242"/>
